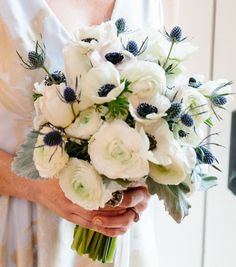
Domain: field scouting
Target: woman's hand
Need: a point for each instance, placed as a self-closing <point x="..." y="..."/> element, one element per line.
<point x="109" y="221"/>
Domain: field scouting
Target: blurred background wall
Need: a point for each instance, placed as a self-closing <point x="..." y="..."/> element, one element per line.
<point x="207" y="237"/>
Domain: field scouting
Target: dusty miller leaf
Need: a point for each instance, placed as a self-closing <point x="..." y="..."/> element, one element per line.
<point x="23" y="164"/>
<point x="174" y="198"/>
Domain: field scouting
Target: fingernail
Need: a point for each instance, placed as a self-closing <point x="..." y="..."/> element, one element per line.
<point x="97" y="221"/>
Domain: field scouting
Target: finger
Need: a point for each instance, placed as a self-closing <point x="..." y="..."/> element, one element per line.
<point x="124" y="220"/>
<point x="73" y="208"/>
<point x="89" y="225"/>
<point x="134" y="196"/>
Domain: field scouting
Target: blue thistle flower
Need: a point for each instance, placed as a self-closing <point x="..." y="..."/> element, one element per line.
<point x="105" y="89"/>
<point x="144" y="109"/>
<point x="69" y="95"/>
<point x="218" y="100"/>
<point x="132" y="47"/>
<point x="176" y="34"/>
<point x="187" y="120"/>
<point x="120" y="25"/>
<point x="204" y="155"/>
<point x="174" y="110"/>
<point x="53" y="138"/>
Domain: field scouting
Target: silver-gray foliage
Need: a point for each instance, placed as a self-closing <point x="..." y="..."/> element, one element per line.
<point x="174" y="198"/>
<point x="23" y="164"/>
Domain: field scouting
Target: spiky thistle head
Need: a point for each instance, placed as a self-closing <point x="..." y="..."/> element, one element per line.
<point x="36" y="58"/>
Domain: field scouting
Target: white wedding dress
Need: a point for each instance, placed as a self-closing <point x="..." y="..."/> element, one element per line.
<point x="31" y="235"/>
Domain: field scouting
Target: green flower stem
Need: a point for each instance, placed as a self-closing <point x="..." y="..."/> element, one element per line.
<point x="48" y="73"/>
<point x="73" y="110"/>
<point x="168" y="57"/>
<point x="112" y="250"/>
<point x="93" y="246"/>
<point x="106" y="249"/>
<point x="96" y="245"/>
<point x="89" y="239"/>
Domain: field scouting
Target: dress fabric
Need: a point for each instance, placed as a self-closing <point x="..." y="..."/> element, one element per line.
<point x="30" y="234"/>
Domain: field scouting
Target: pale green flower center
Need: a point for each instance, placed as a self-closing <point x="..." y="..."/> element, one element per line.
<point x="79" y="188"/>
<point x="118" y="151"/>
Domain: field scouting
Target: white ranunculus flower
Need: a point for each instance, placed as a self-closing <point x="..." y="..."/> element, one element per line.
<point x="101" y="85"/>
<point x="56" y="111"/>
<point x="76" y="62"/>
<point x="49" y="160"/>
<point x="86" y="124"/>
<point x="183" y="161"/>
<point x="147" y="78"/>
<point x="119" y="151"/>
<point x="195" y="103"/>
<point x="81" y="184"/>
<point x="148" y="111"/>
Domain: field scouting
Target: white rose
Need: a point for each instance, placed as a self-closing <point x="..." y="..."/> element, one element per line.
<point x="147" y="78"/>
<point x="83" y="185"/>
<point x="148" y="111"/>
<point x="86" y="124"/>
<point x="118" y="151"/>
<point x="101" y="85"/>
<point x="49" y="160"/>
<point x="54" y="109"/>
<point x="183" y="161"/>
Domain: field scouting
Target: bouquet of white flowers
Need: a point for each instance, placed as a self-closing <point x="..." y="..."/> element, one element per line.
<point x="122" y="113"/>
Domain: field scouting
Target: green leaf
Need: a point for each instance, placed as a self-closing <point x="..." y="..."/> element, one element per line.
<point x="208" y="182"/>
<point x="209" y="122"/>
<point x="23" y="164"/>
<point x="36" y="96"/>
<point x="174" y="199"/>
<point x="79" y="151"/>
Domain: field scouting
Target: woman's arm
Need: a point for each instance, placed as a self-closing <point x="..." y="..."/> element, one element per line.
<point x="171" y="13"/>
<point x="109" y="221"/>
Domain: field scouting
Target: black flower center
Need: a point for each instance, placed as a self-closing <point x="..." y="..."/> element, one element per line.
<point x="144" y="109"/>
<point x="53" y="138"/>
<point x="105" y="89"/>
<point x="89" y="40"/>
<point x="114" y="57"/>
<point x="152" y="141"/>
<point x="69" y="95"/>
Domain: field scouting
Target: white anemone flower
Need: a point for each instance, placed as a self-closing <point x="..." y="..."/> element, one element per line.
<point x="119" y="151"/>
<point x="150" y="110"/>
<point x="147" y="78"/>
<point x="81" y="184"/>
<point x="161" y="142"/>
<point x="101" y="85"/>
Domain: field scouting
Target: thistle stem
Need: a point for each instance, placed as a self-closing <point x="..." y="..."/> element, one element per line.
<point x="73" y="110"/>
<point x="48" y="73"/>
<point x="168" y="57"/>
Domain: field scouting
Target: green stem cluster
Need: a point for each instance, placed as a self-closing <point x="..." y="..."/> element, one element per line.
<point x="96" y="245"/>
